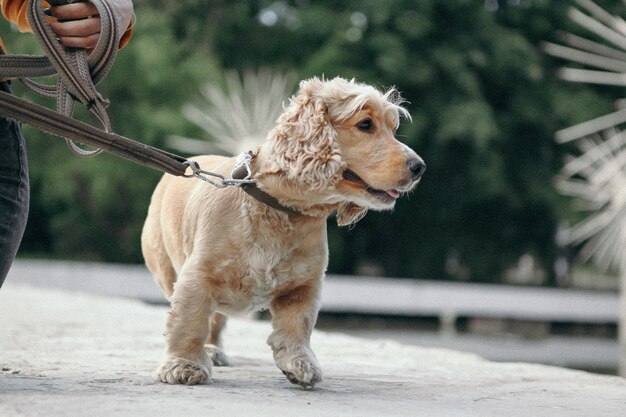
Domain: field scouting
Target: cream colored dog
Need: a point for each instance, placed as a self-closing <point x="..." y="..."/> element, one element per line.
<point x="219" y="251"/>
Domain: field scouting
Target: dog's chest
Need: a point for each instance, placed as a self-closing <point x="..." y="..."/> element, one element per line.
<point x="272" y="267"/>
<point x="275" y="258"/>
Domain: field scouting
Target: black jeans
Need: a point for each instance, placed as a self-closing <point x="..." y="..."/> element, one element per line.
<point x="14" y="190"/>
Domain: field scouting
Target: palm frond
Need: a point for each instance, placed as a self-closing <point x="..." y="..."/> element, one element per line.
<point x="596" y="177"/>
<point x="236" y="118"/>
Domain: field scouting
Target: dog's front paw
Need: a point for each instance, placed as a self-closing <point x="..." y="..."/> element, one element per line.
<point x="183" y="371"/>
<point x="303" y="372"/>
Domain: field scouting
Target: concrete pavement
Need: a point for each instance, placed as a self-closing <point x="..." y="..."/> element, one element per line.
<point x="72" y="354"/>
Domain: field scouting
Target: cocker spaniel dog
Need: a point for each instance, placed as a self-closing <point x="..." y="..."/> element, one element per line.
<point x="216" y="252"/>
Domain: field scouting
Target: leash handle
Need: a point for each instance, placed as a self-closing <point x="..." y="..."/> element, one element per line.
<point x="77" y="78"/>
<point x="77" y="74"/>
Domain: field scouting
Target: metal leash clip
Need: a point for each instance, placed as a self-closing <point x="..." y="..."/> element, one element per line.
<point x="244" y="159"/>
<point x="243" y="162"/>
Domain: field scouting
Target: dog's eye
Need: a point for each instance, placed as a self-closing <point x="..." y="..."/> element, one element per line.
<point x="365" y="125"/>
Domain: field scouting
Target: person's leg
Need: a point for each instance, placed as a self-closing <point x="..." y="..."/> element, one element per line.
<point x="14" y="191"/>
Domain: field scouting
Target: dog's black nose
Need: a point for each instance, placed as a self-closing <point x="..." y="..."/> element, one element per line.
<point x="417" y="167"/>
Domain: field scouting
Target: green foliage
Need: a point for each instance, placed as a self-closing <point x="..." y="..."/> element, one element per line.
<point x="484" y="100"/>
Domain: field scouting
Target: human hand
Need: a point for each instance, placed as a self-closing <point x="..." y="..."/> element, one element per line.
<point x="78" y="24"/>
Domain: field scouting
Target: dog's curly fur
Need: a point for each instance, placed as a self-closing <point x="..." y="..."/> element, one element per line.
<point x="219" y="251"/>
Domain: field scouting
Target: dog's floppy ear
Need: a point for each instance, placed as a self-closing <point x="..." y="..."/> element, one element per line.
<point x="304" y="141"/>
<point x="349" y="213"/>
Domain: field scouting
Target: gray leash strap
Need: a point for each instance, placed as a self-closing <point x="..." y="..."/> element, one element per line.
<point x="51" y="122"/>
<point x="77" y="73"/>
<point x="77" y="76"/>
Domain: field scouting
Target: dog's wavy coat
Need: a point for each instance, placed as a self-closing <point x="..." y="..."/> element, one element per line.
<point x="219" y="251"/>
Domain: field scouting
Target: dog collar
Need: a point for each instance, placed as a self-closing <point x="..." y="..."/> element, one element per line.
<point x="242" y="172"/>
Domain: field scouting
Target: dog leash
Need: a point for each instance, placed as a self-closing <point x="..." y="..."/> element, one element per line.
<point x="78" y="76"/>
<point x="54" y="123"/>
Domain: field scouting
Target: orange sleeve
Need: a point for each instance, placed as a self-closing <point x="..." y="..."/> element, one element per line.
<point x="129" y="32"/>
<point x="16" y="11"/>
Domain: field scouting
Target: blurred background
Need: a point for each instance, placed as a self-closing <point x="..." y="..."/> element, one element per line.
<point x="485" y="103"/>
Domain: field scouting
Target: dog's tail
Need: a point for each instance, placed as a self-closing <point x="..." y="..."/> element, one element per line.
<point x="236" y="118"/>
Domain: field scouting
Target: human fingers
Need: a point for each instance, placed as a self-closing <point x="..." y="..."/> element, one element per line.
<point x="86" y="42"/>
<point x="78" y="33"/>
<point x="74" y="11"/>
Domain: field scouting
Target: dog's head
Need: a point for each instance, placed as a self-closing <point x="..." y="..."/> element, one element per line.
<point x="335" y="143"/>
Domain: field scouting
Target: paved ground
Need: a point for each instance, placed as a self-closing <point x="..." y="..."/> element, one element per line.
<point x="70" y="354"/>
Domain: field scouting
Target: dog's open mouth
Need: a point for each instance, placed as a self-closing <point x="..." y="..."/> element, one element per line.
<point x="384" y="195"/>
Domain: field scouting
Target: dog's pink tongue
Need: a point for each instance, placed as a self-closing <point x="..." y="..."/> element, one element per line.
<point x="393" y="193"/>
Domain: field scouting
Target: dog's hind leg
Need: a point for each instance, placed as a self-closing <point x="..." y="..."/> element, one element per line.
<point x="214" y="343"/>
<point x="153" y="248"/>
<point x="163" y="272"/>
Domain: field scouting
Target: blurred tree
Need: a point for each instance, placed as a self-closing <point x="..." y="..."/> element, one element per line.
<point x="484" y="102"/>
